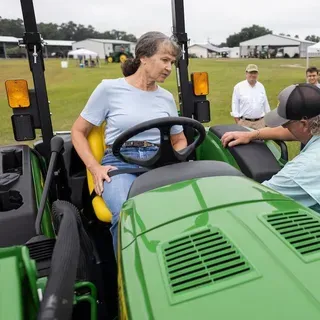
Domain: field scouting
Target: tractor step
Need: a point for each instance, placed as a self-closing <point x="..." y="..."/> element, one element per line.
<point x="41" y="250"/>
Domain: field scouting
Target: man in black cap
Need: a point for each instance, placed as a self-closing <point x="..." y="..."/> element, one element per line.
<point x="297" y="117"/>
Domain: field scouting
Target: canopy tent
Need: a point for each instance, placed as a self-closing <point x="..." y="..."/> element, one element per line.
<point x="313" y="51"/>
<point x="84" y="54"/>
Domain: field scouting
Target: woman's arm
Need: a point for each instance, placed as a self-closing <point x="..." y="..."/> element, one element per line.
<point x="179" y="141"/>
<point x="79" y="133"/>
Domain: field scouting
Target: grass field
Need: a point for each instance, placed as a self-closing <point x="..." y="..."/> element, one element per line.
<point x="69" y="89"/>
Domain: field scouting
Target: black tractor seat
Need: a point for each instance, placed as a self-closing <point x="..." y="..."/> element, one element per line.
<point x="254" y="159"/>
<point x="180" y="172"/>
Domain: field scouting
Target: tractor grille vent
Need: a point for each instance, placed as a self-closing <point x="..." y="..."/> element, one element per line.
<point x="201" y="259"/>
<point x="300" y="229"/>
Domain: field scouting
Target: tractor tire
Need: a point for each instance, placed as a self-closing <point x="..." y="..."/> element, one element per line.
<point x="123" y="58"/>
<point x="110" y="59"/>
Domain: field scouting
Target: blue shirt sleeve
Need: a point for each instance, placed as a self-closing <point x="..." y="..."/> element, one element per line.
<point x="298" y="180"/>
<point x="285" y="185"/>
<point x="96" y="109"/>
<point x="308" y="180"/>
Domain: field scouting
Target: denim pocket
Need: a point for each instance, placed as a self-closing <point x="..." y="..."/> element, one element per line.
<point x="147" y="153"/>
<point x="135" y="153"/>
<point x="111" y="160"/>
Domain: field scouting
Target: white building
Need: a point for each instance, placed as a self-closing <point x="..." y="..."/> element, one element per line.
<point x="51" y="47"/>
<point x="313" y="52"/>
<point x="203" y="50"/>
<point x="275" y="43"/>
<point x="103" y="46"/>
<point x="5" y="43"/>
<point x="210" y="51"/>
<point x="231" y="52"/>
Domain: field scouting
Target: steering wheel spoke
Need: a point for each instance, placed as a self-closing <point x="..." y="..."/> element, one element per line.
<point x="183" y="154"/>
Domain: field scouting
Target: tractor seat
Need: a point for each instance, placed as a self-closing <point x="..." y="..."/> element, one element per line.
<point x="254" y="159"/>
<point x="98" y="147"/>
<point x="180" y="172"/>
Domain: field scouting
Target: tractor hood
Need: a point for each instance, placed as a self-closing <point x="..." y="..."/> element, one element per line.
<point x="192" y="198"/>
<point x="221" y="247"/>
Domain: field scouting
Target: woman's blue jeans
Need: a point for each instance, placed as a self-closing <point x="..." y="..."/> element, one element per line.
<point x="115" y="192"/>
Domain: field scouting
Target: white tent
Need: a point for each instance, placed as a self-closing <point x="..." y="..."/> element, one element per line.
<point x="313" y="51"/>
<point x="84" y="54"/>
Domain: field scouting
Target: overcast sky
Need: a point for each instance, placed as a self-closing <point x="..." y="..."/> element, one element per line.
<point x="205" y="19"/>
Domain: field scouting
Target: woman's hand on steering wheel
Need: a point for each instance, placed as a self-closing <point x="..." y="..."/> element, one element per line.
<point x="99" y="174"/>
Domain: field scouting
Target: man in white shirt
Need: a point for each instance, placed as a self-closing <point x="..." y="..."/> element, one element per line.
<point x="312" y="75"/>
<point x="249" y="100"/>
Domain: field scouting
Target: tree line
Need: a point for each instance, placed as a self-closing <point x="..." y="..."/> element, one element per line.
<point x="77" y="32"/>
<point x="65" y="31"/>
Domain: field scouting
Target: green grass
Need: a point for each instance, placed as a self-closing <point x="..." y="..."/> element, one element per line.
<point x="69" y="89"/>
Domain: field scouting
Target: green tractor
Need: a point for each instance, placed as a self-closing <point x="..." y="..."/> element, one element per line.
<point x="120" y="53"/>
<point x="199" y="236"/>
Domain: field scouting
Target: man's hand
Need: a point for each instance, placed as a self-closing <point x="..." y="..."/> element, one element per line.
<point x="99" y="174"/>
<point x="234" y="138"/>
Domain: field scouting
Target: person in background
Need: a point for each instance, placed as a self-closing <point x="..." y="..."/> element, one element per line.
<point x="297" y="117"/>
<point x="249" y="100"/>
<point x="312" y="75"/>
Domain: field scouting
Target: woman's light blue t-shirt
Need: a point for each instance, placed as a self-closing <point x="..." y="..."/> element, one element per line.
<point x="124" y="106"/>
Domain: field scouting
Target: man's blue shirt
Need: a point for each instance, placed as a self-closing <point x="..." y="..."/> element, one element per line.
<point x="299" y="179"/>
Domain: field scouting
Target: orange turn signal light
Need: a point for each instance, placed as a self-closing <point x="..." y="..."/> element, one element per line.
<point x="17" y="93"/>
<point x="200" y="83"/>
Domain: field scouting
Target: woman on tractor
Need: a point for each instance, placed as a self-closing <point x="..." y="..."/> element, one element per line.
<point x="124" y="103"/>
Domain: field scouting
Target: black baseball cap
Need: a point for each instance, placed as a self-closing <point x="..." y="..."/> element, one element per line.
<point x="296" y="102"/>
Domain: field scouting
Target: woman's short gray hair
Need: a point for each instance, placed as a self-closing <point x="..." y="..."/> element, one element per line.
<point x="314" y="125"/>
<point x="147" y="45"/>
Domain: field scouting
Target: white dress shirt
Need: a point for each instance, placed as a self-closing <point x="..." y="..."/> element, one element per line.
<point x="249" y="102"/>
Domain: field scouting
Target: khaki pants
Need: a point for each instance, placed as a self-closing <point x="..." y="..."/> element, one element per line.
<point x="259" y="124"/>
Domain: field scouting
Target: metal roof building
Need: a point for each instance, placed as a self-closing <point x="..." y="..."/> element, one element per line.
<point x="8" y="39"/>
<point x="206" y="50"/>
<point x="273" y="41"/>
<point x="51" y="46"/>
<point x="59" y="43"/>
<point x="6" y="42"/>
<point x="103" y="46"/>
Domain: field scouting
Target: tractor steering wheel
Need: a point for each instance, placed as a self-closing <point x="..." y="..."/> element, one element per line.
<point x="166" y="153"/>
